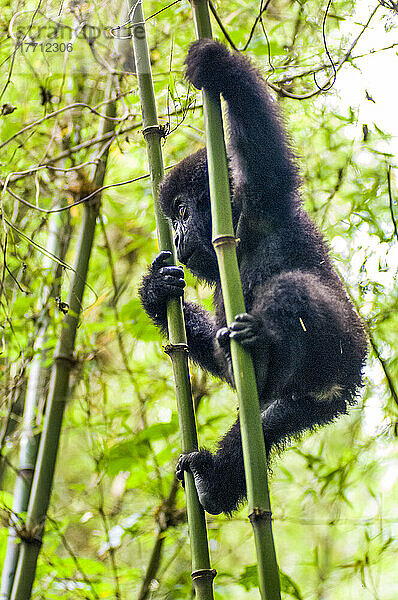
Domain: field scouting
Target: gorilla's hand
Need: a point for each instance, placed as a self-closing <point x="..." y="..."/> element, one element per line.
<point x="246" y="329"/>
<point x="209" y="66"/>
<point x="168" y="282"/>
<point x="162" y="283"/>
<point x="222" y="337"/>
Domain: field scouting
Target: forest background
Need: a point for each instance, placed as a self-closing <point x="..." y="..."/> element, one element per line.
<point x="111" y="533"/>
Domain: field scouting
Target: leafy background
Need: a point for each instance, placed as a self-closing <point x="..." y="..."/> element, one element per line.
<point x="335" y="518"/>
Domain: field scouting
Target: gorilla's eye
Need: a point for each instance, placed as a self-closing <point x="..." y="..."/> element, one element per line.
<point x="182" y="211"/>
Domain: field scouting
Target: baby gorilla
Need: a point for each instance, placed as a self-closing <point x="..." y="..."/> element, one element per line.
<point x="307" y="343"/>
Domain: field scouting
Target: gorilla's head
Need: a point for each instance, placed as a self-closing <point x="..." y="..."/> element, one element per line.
<point x="185" y="199"/>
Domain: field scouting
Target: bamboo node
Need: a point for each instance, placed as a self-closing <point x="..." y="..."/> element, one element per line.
<point x="161" y="130"/>
<point x="174" y="348"/>
<point x="32" y="541"/>
<point x="259" y="514"/>
<point x="224" y="240"/>
<point x="31" y="536"/>
<point x="204" y="574"/>
<point x="70" y="359"/>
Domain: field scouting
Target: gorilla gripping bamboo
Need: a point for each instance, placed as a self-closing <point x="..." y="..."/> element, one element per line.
<point x="225" y="247"/>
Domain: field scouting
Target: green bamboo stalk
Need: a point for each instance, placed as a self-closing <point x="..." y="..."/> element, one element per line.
<point x="35" y="391"/>
<point x="12" y="413"/>
<point x="249" y="410"/>
<point x="202" y="574"/>
<point x="59" y="383"/>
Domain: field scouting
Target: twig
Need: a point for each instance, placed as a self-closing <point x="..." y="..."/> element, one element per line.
<point x="110" y="548"/>
<point x="80" y="201"/>
<point x="391" y="201"/>
<point x="59" y="111"/>
<point x="283" y="92"/>
<point x="384" y="366"/>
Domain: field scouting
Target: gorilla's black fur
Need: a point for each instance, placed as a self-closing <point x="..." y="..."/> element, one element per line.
<point x="307" y="343"/>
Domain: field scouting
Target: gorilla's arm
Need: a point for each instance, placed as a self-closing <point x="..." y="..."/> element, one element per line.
<point x="258" y="147"/>
<point x="201" y="333"/>
<point x="164" y="282"/>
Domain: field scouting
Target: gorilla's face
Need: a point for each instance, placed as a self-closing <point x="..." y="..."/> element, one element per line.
<point x="192" y="236"/>
<point x="185" y="199"/>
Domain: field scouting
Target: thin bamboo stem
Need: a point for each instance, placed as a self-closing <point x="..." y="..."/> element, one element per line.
<point x="59" y="385"/>
<point x="250" y="418"/>
<point x="35" y="391"/>
<point x="202" y="574"/>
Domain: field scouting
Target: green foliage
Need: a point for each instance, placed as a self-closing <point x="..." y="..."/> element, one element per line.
<point x="249" y="579"/>
<point x="332" y="493"/>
